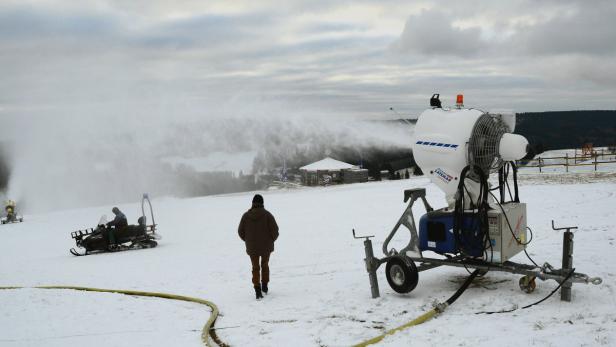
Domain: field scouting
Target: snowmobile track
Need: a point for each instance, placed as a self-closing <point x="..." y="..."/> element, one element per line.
<point x="207" y="332"/>
<point x="141" y="245"/>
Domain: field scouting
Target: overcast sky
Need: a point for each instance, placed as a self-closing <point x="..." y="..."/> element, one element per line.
<point x="329" y="58"/>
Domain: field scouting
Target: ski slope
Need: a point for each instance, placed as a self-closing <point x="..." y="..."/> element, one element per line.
<point x="319" y="291"/>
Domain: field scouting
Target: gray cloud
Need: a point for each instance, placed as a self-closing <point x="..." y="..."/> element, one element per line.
<point x="132" y="59"/>
<point x="210" y="31"/>
<point x="589" y="30"/>
<point x="26" y="23"/>
<point x="548" y="48"/>
<point x="432" y="33"/>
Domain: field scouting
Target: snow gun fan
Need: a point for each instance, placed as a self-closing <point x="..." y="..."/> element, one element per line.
<point x="458" y="148"/>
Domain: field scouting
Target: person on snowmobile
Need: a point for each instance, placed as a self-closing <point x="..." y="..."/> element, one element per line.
<point x="258" y="229"/>
<point x="118" y="223"/>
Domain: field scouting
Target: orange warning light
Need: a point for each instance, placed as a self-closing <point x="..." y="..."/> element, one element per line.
<point x="460" y="100"/>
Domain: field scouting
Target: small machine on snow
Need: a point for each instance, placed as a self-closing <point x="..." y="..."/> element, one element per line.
<point x="458" y="149"/>
<point x="11" y="215"/>
<point x="107" y="239"/>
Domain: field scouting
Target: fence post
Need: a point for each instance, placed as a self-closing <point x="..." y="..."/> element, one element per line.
<point x="539" y="164"/>
<point x="596" y="162"/>
<point x="575" y="156"/>
<point x="566" y="162"/>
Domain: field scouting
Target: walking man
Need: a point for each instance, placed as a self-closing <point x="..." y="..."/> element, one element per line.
<point x="258" y="229"/>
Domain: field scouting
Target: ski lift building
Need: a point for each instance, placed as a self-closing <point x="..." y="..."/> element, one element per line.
<point x="331" y="171"/>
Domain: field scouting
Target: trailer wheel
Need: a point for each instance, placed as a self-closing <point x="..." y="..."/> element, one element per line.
<point x="527" y="284"/>
<point x="402" y="275"/>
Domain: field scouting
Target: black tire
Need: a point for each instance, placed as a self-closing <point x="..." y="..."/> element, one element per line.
<point x="402" y="275"/>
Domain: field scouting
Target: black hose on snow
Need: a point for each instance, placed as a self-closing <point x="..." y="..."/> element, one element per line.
<point x="465" y="285"/>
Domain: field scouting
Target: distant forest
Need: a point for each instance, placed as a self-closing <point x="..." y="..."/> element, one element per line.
<point x="567" y="129"/>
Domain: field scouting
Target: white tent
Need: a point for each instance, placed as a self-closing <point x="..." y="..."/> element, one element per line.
<point x="327" y="164"/>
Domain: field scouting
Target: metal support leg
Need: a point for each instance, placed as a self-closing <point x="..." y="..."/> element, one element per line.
<point x="408" y="221"/>
<point x="371" y="265"/>
<point x="565" y="289"/>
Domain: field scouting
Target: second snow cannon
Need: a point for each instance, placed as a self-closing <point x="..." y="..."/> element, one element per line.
<point x="11" y="214"/>
<point x="458" y="149"/>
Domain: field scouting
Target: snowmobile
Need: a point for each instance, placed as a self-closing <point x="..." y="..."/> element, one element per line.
<point x="11" y="215"/>
<point x="104" y="238"/>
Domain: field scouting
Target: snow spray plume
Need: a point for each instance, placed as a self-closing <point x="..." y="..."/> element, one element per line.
<point x="66" y="161"/>
<point x="4" y="171"/>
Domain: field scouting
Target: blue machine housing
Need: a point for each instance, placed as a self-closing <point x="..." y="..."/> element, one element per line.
<point x="436" y="234"/>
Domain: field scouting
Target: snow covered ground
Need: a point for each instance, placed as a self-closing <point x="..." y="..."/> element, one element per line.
<point x="319" y="291"/>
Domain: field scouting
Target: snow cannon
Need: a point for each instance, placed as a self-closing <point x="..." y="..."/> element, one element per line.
<point x="458" y="149"/>
<point x="11" y="214"/>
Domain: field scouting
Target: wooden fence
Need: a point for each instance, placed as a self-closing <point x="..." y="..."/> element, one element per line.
<point x="596" y="159"/>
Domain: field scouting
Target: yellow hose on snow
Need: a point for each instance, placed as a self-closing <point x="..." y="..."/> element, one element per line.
<point x="421" y="319"/>
<point x="439" y="308"/>
<point x="206" y="332"/>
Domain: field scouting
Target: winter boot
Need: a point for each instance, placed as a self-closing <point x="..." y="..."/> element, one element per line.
<point x="264" y="287"/>
<point x="258" y="292"/>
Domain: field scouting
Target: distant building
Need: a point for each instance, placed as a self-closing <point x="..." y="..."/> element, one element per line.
<point x="331" y="171"/>
<point x="400" y="168"/>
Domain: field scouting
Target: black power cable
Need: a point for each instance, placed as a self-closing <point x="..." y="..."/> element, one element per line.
<point x="503" y="181"/>
<point x="465" y="285"/>
<point x="509" y="225"/>
<point x="530" y="239"/>
<point x="534" y="303"/>
<point x="481" y="206"/>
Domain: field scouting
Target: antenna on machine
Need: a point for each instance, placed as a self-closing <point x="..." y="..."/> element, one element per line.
<point x="401" y="116"/>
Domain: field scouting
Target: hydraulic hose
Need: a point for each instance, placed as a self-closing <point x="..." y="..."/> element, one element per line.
<point x="206" y="332"/>
<point x="461" y="290"/>
<point x="439" y="308"/>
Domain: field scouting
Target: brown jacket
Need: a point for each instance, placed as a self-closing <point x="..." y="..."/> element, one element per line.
<point x="259" y="230"/>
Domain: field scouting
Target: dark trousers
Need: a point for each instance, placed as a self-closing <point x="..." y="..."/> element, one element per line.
<point x="108" y="233"/>
<point x="260" y="274"/>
